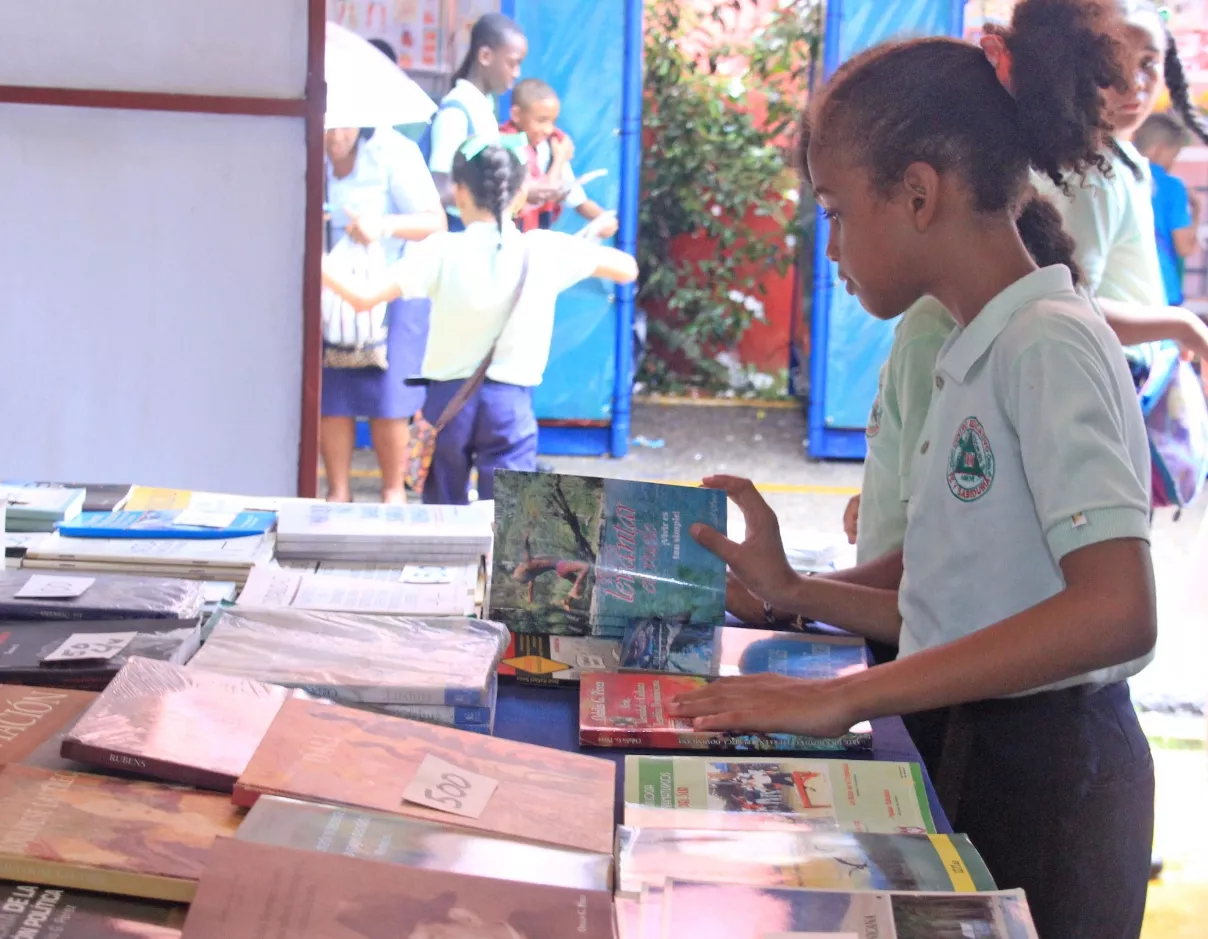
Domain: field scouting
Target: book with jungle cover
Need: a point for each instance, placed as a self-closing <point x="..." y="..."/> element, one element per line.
<point x="581" y="556"/>
<point x="84" y="832"/>
<point x="820" y="860"/>
<point x="770" y="793"/>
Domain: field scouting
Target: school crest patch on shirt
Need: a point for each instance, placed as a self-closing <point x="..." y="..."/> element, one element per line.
<point x="874" y="419"/>
<point x="971" y="462"/>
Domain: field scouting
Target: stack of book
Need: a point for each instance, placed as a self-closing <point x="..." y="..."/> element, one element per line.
<point x="31" y="596"/>
<point x="416" y="590"/>
<point x="440" y="670"/>
<point x="38" y="508"/>
<point x="377" y="533"/>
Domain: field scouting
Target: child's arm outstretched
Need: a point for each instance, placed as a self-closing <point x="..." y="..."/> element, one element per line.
<point x="1135" y="324"/>
<point x="360" y="297"/>
<point x="615" y="265"/>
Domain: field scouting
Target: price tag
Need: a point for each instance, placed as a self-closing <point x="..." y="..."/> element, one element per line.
<point x="205" y="518"/>
<point x="424" y="574"/>
<point x="90" y="647"/>
<point x="48" y="587"/>
<point x="447" y="788"/>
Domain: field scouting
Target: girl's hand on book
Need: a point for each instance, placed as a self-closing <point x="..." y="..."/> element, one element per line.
<point x="759" y="562"/>
<point x="769" y="704"/>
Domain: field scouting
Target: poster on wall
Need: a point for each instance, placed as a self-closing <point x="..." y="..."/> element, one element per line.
<point x="418" y="30"/>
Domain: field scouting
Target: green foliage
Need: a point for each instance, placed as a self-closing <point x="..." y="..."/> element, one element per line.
<point x="712" y="160"/>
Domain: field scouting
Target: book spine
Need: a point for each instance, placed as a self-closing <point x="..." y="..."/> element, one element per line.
<point x="96" y="880"/>
<point x="93" y="679"/>
<point x="243" y="797"/>
<point x="661" y="738"/>
<point x="193" y="776"/>
<point x="442" y="714"/>
<point x="48" y="614"/>
<point x="604" y="737"/>
<point x="342" y="694"/>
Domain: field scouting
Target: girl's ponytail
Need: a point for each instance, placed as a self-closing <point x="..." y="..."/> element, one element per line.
<point x="1040" y="228"/>
<point x="493" y="175"/>
<point x="1180" y="94"/>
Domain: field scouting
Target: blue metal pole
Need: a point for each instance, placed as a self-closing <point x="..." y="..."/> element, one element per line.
<point x="627" y="217"/>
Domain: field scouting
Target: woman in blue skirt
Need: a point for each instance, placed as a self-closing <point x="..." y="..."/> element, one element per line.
<point x="379" y="189"/>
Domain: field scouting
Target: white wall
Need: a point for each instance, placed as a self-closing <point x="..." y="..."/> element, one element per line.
<point x="151" y="262"/>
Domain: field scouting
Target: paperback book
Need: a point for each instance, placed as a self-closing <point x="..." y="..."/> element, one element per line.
<point x="769" y="793"/>
<point x="360" y="658"/>
<point x="86" y="654"/>
<point x="176" y="724"/>
<point x="450" y="715"/>
<point x="30" y="911"/>
<point x="98" y="497"/>
<point x="413" y="842"/>
<point x="721" y="651"/>
<point x="227" y="559"/>
<point x="38" y="509"/>
<point x="582" y="556"/>
<point x="263" y="890"/>
<point x="320" y="752"/>
<point x="85" y="832"/>
<point x="31" y="716"/>
<point x="371" y="532"/>
<point x="733" y="911"/>
<point x="630" y="710"/>
<point x="426" y="591"/>
<point x="824" y="860"/>
<point x="103" y="596"/>
<point x="172" y="524"/>
<point x="555" y="660"/>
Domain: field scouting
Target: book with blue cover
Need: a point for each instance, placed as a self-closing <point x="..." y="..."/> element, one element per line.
<point x="581" y="556"/>
<point x="164" y="524"/>
<point x="723" y="651"/>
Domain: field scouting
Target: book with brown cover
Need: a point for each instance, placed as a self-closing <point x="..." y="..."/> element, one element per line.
<point x="252" y="891"/>
<point x="177" y="724"/>
<point x="323" y="752"/>
<point x="122" y="836"/>
<point x="31" y="716"/>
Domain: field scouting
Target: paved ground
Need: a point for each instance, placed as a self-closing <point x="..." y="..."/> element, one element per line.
<point x="765" y="444"/>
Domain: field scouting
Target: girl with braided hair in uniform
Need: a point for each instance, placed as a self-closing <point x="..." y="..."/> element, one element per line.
<point x="489" y="285"/>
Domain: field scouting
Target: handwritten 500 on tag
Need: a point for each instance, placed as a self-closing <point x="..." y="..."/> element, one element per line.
<point x="447" y="788"/>
<point x="89" y="647"/>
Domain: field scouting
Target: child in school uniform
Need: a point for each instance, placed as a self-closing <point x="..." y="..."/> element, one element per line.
<point x="1160" y="140"/>
<point x="552" y="185"/>
<point x="472" y="278"/>
<point x="492" y="64"/>
<point x="1022" y="597"/>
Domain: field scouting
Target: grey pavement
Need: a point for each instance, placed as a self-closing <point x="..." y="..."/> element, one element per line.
<point x="766" y="444"/>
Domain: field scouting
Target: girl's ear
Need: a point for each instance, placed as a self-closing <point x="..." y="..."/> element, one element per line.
<point x="922" y="188"/>
<point x="484" y="55"/>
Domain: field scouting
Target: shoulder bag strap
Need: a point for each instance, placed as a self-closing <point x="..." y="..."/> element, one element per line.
<point x="475" y="381"/>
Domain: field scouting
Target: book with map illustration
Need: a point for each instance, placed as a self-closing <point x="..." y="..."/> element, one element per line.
<point x="721" y="651"/>
<point x="84" y="832"/>
<point x="820" y="860"/>
<point x="31" y="911"/>
<point x="739" y="911"/>
<point x="581" y="556"/>
<point x="554" y="660"/>
<point x="419" y="843"/>
<point x="774" y="793"/>
<point x="269" y="892"/>
<point x="321" y="752"/>
<point x="630" y="710"/>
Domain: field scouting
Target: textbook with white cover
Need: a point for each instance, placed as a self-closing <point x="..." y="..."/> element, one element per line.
<point x="446" y="591"/>
<point x="379" y="533"/>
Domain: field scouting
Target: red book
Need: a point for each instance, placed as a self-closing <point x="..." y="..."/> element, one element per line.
<point x="630" y="710"/>
<point x="181" y="725"/>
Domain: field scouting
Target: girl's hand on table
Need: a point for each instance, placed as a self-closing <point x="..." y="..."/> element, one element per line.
<point x="769" y="704"/>
<point x="759" y="562"/>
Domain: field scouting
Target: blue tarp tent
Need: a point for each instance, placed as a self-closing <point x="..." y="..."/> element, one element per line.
<point x="847" y="345"/>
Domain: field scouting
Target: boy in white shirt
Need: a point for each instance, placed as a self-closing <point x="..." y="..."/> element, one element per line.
<point x="535" y="111"/>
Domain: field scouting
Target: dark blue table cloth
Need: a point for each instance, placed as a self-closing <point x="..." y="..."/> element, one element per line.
<point x="549" y="717"/>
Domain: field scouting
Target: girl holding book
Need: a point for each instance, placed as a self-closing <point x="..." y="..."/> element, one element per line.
<point x="493" y="292"/>
<point x="1023" y="596"/>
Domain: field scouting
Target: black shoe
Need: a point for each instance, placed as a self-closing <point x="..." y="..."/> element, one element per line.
<point x="1156" y="866"/>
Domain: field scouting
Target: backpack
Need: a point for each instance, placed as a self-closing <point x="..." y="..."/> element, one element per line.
<point x="422" y="133"/>
<point x="1176" y="421"/>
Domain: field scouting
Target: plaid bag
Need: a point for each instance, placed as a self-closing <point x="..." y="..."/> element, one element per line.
<point x="422" y="446"/>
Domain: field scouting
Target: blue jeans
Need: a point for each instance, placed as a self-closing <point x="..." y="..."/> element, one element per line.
<point x="497" y="429"/>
